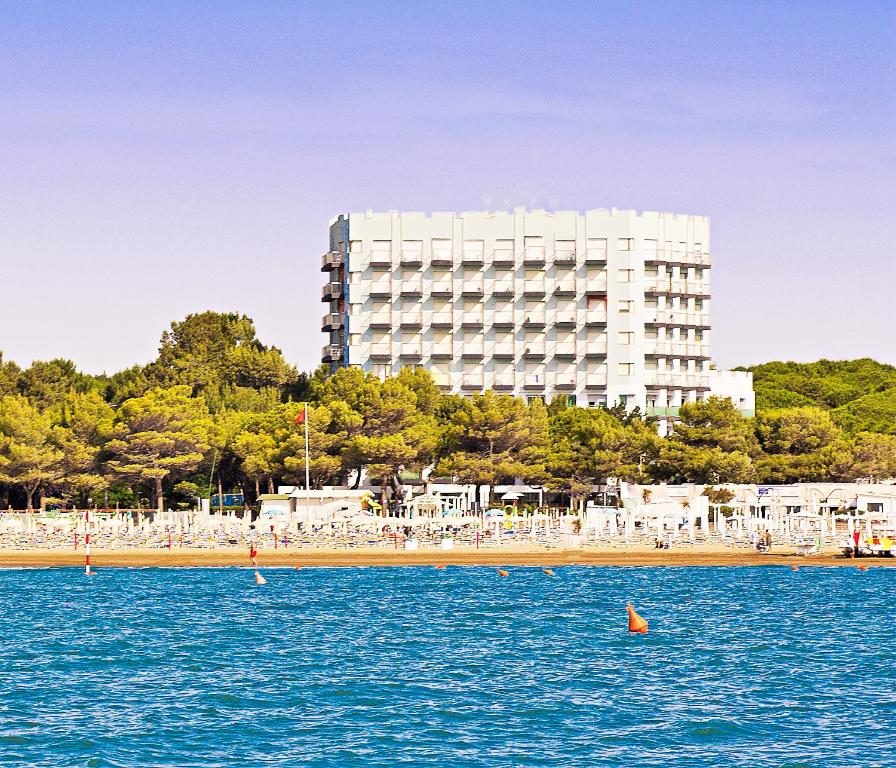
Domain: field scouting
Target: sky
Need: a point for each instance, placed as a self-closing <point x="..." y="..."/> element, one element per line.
<point x="159" y="159"/>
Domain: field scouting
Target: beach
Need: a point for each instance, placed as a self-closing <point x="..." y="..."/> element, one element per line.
<point x="510" y="555"/>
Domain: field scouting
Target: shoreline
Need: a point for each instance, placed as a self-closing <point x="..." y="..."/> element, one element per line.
<point x="509" y="556"/>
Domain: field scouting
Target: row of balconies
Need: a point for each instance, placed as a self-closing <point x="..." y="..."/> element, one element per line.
<point x="533" y="255"/>
<point x="677" y="379"/>
<point x="674" y="349"/>
<point x="477" y="348"/>
<point x="677" y="287"/>
<point x="386" y="318"/>
<point x="684" y="258"/>
<point x="561" y="380"/>
<point x="475" y="285"/>
<point x="677" y="317"/>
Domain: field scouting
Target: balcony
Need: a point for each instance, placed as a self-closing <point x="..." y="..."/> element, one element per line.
<point x="442" y="258"/>
<point x="503" y="285"/>
<point x="596" y="316"/>
<point x="379" y="258"/>
<point x="411" y="257"/>
<point x="565" y="380"/>
<point x="534" y="286"/>
<point x="381" y="287"/>
<point x="473" y="381"/>
<point x="565" y="349"/>
<point x="596" y="379"/>
<point x="662" y="378"/>
<point x="442" y="286"/>
<point x="596" y="281"/>
<point x="473" y="285"/>
<point x="330" y="260"/>
<point x="412" y="348"/>
<point x="382" y="318"/>
<point x="412" y="286"/>
<point x="503" y="381"/>
<point x="472" y="348"/>
<point x="565" y="257"/>
<point x="503" y="318"/>
<point x="534" y="349"/>
<point x="533" y="254"/>
<point x="566" y="286"/>
<point x="331" y="291"/>
<point x="596" y="256"/>
<point x="442" y="318"/>
<point x="565" y="317"/>
<point x="381" y="349"/>
<point x="697" y="259"/>
<point x="596" y="348"/>
<point x="331" y="353"/>
<point x="503" y="349"/>
<point x="505" y="256"/>
<point x="534" y="319"/>
<point x="472" y="319"/>
<point x="413" y="319"/>
<point x="472" y="256"/>
<point x="533" y="381"/>
<point x="442" y="348"/>
<point x="331" y="322"/>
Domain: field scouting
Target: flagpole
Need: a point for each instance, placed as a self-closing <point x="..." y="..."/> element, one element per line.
<point x="307" y="474"/>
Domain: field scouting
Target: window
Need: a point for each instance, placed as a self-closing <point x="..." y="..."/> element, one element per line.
<point x="355" y="246"/>
<point x="625" y="369"/>
<point x="626" y="337"/>
<point x="534" y="398"/>
<point x="596" y="302"/>
<point x="625" y="244"/>
<point x="625" y="307"/>
<point x="381" y="246"/>
<point x="626" y="275"/>
<point x="382" y="370"/>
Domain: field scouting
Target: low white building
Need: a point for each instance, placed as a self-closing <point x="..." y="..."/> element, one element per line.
<point x="737" y="386"/>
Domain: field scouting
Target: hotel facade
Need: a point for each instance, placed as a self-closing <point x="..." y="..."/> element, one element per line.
<point x="601" y="307"/>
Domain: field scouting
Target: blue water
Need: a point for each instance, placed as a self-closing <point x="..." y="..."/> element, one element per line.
<point x="421" y="667"/>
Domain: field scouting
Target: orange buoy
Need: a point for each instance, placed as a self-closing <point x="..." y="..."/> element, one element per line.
<point x="259" y="579"/>
<point x="502" y="572"/>
<point x="440" y="567"/>
<point x="298" y="567"/>
<point x="636" y="623"/>
<point x="863" y="567"/>
<point x="794" y="567"/>
<point x="547" y="571"/>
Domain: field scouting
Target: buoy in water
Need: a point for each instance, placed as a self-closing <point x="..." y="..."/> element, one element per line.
<point x="635" y="622"/>
<point x="502" y="572"/>
<point x="298" y="567"/>
<point x="863" y="567"/>
<point x="259" y="579"/>
<point x="794" y="567"/>
<point x="547" y="572"/>
<point x="440" y="567"/>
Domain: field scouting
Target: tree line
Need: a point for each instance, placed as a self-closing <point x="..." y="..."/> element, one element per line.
<point x="217" y="410"/>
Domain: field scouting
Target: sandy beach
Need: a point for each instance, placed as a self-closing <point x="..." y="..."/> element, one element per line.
<point x="378" y="556"/>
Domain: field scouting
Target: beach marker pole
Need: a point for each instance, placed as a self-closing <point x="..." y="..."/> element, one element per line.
<point x="87" y="542"/>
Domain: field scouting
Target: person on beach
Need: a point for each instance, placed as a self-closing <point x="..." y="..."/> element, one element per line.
<point x="855" y="542"/>
<point x="253" y="553"/>
<point x="768" y="540"/>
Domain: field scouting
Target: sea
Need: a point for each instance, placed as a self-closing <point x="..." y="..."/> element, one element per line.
<point x="412" y="666"/>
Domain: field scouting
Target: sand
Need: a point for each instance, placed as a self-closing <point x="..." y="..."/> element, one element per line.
<point x="378" y="556"/>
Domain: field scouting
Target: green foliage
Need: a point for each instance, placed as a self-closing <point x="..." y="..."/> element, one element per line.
<point x="162" y="434"/>
<point x="218" y="403"/>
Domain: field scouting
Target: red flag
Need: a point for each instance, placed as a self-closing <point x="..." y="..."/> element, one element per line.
<point x="300" y="419"/>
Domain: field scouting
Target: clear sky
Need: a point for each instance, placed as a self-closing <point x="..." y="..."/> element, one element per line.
<point x="163" y="158"/>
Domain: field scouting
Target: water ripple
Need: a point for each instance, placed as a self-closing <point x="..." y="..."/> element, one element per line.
<point x="419" y="667"/>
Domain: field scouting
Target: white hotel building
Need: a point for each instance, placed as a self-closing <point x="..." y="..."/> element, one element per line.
<point x="603" y="307"/>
